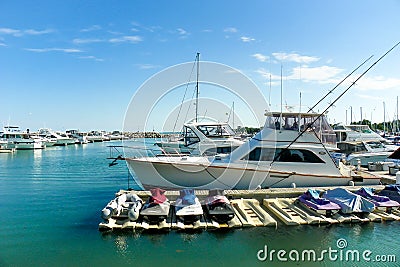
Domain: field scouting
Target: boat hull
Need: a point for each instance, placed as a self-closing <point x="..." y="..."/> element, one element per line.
<point x="205" y="175"/>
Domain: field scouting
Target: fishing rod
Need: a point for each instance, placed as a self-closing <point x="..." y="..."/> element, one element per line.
<point x="333" y="89"/>
<point x="331" y="104"/>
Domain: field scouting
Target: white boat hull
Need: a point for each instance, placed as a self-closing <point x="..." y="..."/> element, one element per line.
<point x="203" y="175"/>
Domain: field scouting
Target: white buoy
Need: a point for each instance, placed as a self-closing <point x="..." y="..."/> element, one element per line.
<point x="398" y="177"/>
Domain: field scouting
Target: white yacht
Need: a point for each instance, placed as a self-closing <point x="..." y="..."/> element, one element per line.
<point x="202" y="138"/>
<point x="95" y="136"/>
<point x="354" y="132"/>
<point x="364" y="152"/>
<point x="61" y="139"/>
<point x="17" y="139"/>
<point x="289" y="151"/>
<point x="79" y="137"/>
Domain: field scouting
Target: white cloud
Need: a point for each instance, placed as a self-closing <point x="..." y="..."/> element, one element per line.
<point x="86" y="41"/>
<point x="43" y="50"/>
<point x="369" y="97"/>
<point x="182" y="33"/>
<point x="19" y="33"/>
<point x="92" y="57"/>
<point x="147" y="66"/>
<point x="260" y="57"/>
<point x="322" y="74"/>
<point x="91" y="28"/>
<point x="247" y="39"/>
<point x="36" y="32"/>
<point x="293" y="57"/>
<point x="230" y="29"/>
<point x="377" y="83"/>
<point x="131" y="39"/>
<point x="10" y="31"/>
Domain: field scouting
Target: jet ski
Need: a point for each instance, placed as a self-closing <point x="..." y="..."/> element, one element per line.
<point x="312" y="200"/>
<point x="218" y="207"/>
<point x="188" y="207"/>
<point x="381" y="202"/>
<point x="348" y="201"/>
<point x="156" y="208"/>
<point x="125" y="205"/>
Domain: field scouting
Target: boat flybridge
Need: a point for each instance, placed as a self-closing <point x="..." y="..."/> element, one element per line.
<point x="291" y="150"/>
<point x="202" y="138"/>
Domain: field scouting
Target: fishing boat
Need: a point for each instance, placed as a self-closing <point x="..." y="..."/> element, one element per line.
<point x="380" y="202"/>
<point x="348" y="201"/>
<point x="218" y="207"/>
<point x="187" y="206"/>
<point x="156" y="208"/>
<point x="202" y="138"/>
<point x="292" y="150"/>
<point x="312" y="200"/>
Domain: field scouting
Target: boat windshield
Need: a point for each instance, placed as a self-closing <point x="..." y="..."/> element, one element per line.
<point x="213" y="131"/>
<point x="360" y="128"/>
<point x="299" y="122"/>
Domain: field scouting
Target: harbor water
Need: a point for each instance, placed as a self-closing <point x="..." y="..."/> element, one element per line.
<point x="50" y="211"/>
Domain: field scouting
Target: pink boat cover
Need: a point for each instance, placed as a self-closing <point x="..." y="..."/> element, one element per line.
<point x="157" y="196"/>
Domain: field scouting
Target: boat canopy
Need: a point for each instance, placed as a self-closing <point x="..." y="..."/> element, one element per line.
<point x="300" y="121"/>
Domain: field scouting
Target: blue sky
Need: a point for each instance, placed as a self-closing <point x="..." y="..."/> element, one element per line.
<point x="77" y="64"/>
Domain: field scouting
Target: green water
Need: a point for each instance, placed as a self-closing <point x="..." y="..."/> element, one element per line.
<point x="50" y="210"/>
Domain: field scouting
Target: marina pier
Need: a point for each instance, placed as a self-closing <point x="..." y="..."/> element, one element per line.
<point x="253" y="208"/>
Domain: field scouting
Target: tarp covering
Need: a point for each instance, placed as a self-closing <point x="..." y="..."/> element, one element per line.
<point x="348" y="201"/>
<point x="312" y="199"/>
<point x="157" y="196"/>
<point x="188" y="197"/>
<point x="380" y="201"/>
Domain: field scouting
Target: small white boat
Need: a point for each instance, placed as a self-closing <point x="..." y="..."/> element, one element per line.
<point x="364" y="152"/>
<point x="6" y="147"/>
<point x="79" y="137"/>
<point x="60" y="138"/>
<point x="125" y="205"/>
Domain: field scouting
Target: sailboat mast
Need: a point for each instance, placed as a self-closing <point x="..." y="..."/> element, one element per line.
<point x="197" y="86"/>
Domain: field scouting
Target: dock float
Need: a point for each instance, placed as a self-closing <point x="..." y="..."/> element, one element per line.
<point x="257" y="208"/>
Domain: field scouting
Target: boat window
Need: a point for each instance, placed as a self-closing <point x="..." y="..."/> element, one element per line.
<point x="283" y="155"/>
<point x="349" y="148"/>
<point x="216" y="130"/>
<point x="190" y="137"/>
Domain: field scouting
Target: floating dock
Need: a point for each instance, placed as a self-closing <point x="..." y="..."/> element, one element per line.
<point x="253" y="208"/>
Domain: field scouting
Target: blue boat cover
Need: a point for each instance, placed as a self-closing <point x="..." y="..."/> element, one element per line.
<point x="348" y="201"/>
<point x="393" y="187"/>
<point x="188" y="197"/>
<point x="379" y="201"/>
